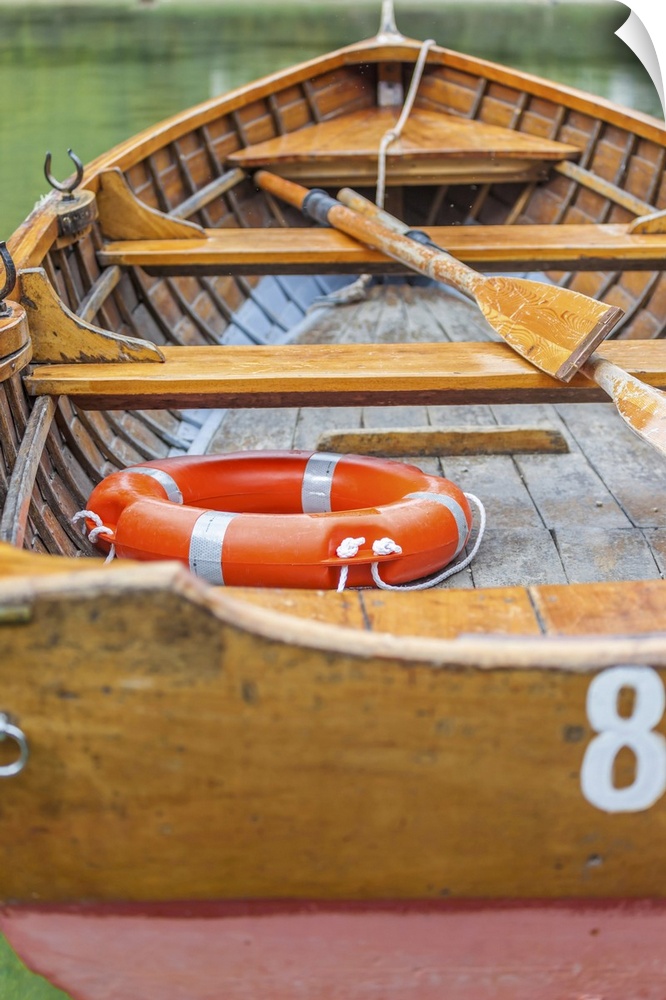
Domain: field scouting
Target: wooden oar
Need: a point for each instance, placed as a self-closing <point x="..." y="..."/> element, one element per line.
<point x="554" y="328"/>
<point x="641" y="406"/>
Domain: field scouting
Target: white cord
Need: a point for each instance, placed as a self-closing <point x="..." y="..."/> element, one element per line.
<point x="99" y="529"/>
<point x="450" y="571"/>
<point x="393" y="133"/>
<point x="347" y="549"/>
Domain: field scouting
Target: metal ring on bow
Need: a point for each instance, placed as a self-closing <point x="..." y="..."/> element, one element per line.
<point x="13" y="732"/>
<point x="68" y="187"/>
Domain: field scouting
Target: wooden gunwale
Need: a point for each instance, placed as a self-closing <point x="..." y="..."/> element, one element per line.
<point x="249" y="613"/>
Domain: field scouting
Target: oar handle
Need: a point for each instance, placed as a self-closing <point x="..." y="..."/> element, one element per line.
<point x="320" y="206"/>
<point x="352" y="199"/>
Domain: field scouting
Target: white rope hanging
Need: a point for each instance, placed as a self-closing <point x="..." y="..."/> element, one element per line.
<point x="394" y="133"/>
<point x="357" y="290"/>
<point x="99" y="529"/>
<point x="433" y="581"/>
<point x="347" y="549"/>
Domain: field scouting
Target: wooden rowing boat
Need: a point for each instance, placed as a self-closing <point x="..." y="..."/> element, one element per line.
<point x="457" y="792"/>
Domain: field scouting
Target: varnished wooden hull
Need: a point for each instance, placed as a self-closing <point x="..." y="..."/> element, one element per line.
<point x="195" y="744"/>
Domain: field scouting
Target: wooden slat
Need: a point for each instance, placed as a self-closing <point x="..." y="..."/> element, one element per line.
<point x="402" y="442"/>
<point x="334" y="375"/>
<point x="98" y="294"/>
<point x="495" y="248"/>
<point x="15" y="513"/>
<point x="207" y="194"/>
<point x="605" y="188"/>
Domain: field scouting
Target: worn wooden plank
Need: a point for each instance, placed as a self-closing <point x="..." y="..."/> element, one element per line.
<point x="335" y="375"/>
<point x="504" y="611"/>
<point x="633" y="609"/>
<point x="470" y="440"/>
<point x="17" y="502"/>
<point x="592" y="555"/>
<point x="98" y="294"/>
<point x="567" y="490"/>
<point x="314" y="422"/>
<point x="627" y="465"/>
<point x="242" y="430"/>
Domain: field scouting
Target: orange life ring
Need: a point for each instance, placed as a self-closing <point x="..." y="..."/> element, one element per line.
<point x="277" y="519"/>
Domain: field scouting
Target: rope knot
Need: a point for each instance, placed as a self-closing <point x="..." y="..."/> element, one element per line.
<point x="348" y="547"/>
<point x="386" y="547"/>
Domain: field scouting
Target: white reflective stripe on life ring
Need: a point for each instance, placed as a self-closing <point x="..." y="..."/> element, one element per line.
<point x="206" y="542"/>
<point x="456" y="510"/>
<point x="317" y="483"/>
<point x="164" y="479"/>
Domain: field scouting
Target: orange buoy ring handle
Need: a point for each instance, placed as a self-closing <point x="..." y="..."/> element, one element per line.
<point x="277" y="519"/>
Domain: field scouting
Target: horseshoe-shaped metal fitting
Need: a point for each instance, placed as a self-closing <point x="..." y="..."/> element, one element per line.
<point x="68" y="188"/>
<point x="7" y="730"/>
<point x="10" y="278"/>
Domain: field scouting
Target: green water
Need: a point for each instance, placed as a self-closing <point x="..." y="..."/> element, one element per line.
<point x="89" y="76"/>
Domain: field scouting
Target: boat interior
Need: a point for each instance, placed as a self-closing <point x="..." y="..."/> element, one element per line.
<point x="204" y="757"/>
<point x="195" y="313"/>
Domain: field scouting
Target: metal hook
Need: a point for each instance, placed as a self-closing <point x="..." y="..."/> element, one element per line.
<point x="8" y="730"/>
<point x="10" y="278"/>
<point x="67" y="189"/>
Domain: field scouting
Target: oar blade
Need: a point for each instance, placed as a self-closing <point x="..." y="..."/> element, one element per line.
<point x="554" y="328"/>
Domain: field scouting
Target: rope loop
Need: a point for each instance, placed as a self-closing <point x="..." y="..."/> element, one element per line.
<point x="433" y="581"/>
<point x="99" y="529"/>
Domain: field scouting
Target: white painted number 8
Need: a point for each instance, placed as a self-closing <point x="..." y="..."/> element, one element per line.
<point x="634" y="732"/>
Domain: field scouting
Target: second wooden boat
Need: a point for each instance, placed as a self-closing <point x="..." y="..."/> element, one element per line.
<point x="262" y="791"/>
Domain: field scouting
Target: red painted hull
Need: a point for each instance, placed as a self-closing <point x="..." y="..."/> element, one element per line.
<point x="451" y="951"/>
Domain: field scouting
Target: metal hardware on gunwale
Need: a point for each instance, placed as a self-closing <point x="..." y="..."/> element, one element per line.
<point x="13" y="732"/>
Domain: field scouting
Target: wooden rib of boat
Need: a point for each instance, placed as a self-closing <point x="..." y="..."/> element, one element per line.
<point x="259" y="792"/>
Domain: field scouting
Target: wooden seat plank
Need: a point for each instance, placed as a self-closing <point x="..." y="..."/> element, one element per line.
<point x="432" y="143"/>
<point x="317" y="250"/>
<point x="334" y="375"/>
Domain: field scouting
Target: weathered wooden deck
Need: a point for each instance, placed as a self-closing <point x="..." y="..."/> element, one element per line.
<point x="596" y="513"/>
